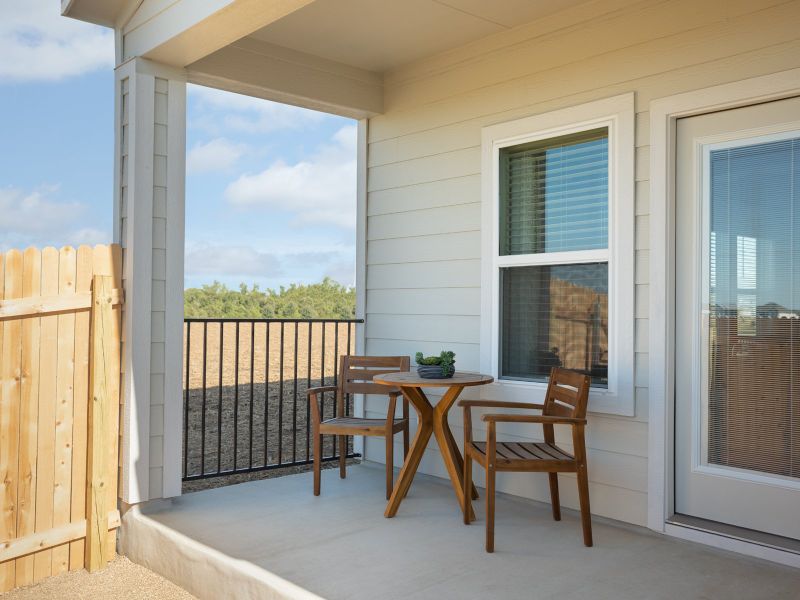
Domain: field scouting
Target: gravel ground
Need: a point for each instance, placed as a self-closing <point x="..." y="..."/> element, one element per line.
<point x="121" y="580"/>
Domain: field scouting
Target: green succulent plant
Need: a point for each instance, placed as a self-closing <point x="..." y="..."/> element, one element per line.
<point x="446" y="360"/>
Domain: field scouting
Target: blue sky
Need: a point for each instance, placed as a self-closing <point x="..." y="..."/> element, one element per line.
<point x="270" y="190"/>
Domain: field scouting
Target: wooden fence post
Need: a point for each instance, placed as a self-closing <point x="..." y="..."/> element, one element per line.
<point x="102" y="368"/>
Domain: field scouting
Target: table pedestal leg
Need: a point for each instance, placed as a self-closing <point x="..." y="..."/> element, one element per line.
<point x="420" y="442"/>
<point x="451" y="456"/>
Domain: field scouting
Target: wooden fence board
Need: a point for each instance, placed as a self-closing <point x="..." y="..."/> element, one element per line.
<point x="46" y="354"/>
<point x="29" y="414"/>
<point x="4" y="578"/>
<point x="48" y="361"/>
<point x="83" y="284"/>
<point x="10" y="366"/>
<point x="65" y="378"/>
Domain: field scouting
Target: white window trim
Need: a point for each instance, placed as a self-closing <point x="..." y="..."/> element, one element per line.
<point x="618" y="114"/>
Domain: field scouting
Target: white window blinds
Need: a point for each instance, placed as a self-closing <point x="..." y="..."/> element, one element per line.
<point x="754" y="307"/>
<point x="555" y="194"/>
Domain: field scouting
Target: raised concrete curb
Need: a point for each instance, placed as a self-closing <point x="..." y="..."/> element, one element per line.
<point x="197" y="568"/>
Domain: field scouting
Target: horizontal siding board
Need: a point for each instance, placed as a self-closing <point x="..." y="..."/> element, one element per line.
<point x="433" y="328"/>
<point x="431" y="301"/>
<point x="443" y="247"/>
<point x="457" y="163"/>
<point x="454" y="273"/>
<point x="458" y="190"/>
<point x="449" y="219"/>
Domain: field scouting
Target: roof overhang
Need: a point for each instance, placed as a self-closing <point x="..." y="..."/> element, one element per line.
<point x="99" y="12"/>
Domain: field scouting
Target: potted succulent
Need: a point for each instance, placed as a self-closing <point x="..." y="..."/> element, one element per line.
<point x="436" y="367"/>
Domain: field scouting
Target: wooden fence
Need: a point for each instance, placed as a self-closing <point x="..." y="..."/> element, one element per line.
<point x="59" y="410"/>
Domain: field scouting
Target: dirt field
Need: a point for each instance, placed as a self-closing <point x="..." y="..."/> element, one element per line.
<point x="268" y="391"/>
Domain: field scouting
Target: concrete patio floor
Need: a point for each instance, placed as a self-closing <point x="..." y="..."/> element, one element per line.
<point x="274" y="539"/>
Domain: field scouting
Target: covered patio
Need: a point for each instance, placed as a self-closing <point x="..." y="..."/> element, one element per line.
<point x="274" y="539"/>
<point x="449" y="96"/>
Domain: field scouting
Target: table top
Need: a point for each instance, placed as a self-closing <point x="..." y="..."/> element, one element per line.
<point x="411" y="379"/>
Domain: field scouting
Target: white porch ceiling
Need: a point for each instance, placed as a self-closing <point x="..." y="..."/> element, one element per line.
<point x="379" y="35"/>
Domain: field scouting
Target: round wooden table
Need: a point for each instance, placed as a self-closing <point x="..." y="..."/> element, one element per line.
<point x="431" y="420"/>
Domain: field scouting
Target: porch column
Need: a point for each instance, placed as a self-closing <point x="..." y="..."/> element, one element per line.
<point x="149" y="163"/>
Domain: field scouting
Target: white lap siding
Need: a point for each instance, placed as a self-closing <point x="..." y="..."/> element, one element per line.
<point x="423" y="209"/>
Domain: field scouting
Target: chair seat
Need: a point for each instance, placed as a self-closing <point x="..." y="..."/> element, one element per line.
<point x="525" y="453"/>
<point x="351" y="425"/>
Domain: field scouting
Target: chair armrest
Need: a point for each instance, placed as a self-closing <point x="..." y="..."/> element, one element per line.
<point x="543" y="419"/>
<point x="320" y="390"/>
<point x="499" y="404"/>
<point x="313" y="400"/>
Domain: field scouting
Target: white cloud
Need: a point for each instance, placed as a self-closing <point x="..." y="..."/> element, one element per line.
<point x="240" y="261"/>
<point x="38" y="218"/>
<point x="236" y="263"/>
<point x="216" y="155"/>
<point x="245" y="114"/>
<point x="321" y="189"/>
<point x="38" y="44"/>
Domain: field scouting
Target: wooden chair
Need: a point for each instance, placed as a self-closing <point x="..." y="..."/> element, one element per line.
<point x="355" y="377"/>
<point x="564" y="404"/>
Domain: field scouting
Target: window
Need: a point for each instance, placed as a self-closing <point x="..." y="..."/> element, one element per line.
<point x="558" y="268"/>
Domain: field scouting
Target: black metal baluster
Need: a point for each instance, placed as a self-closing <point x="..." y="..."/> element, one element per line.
<point x="236" y="402"/>
<point x="335" y="377"/>
<point x="219" y="400"/>
<point x="186" y="402"/>
<point x="350" y="351"/>
<point x="266" y="399"/>
<point x="294" y="398"/>
<point x="322" y="383"/>
<point x="308" y="385"/>
<point x="252" y="388"/>
<point x="280" y="402"/>
<point x="203" y="416"/>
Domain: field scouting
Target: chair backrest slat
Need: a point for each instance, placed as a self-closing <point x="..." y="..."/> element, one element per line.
<point x="356" y="373"/>
<point x="567" y="394"/>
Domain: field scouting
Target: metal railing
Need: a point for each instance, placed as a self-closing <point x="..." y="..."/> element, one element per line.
<point x="245" y="380"/>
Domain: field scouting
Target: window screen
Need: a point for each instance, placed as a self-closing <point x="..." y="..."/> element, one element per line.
<point x="555" y="316"/>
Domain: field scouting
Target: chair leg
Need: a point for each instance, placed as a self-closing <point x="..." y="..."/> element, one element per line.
<point x="490" y="508"/>
<point x="467" y="487"/>
<point x="342" y="456"/>
<point x="583" y="495"/>
<point x="554" y="496"/>
<point x="317" y="462"/>
<point x="389" y="464"/>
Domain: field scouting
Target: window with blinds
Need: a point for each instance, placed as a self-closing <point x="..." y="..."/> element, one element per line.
<point x="555" y="194"/>
<point x="554" y="232"/>
<point x="754" y="307"/>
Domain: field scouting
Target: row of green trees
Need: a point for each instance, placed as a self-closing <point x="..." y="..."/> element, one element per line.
<point x="325" y="300"/>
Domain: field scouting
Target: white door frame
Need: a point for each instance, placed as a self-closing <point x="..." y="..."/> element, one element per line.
<point x="664" y="113"/>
